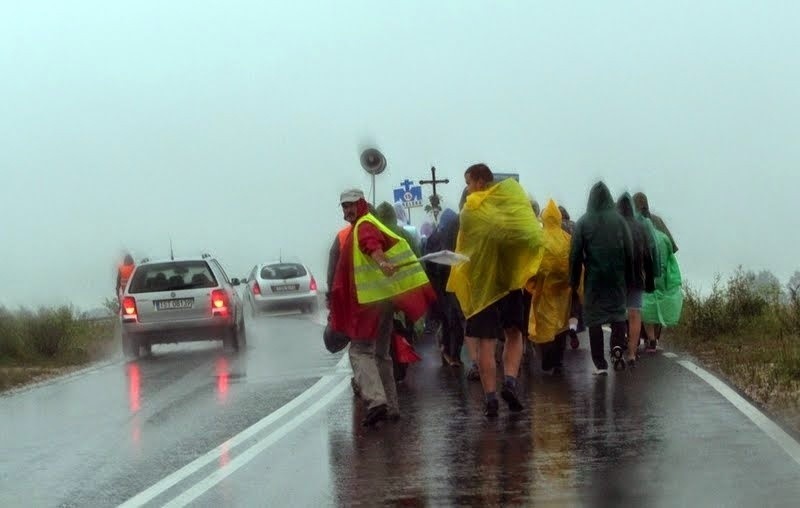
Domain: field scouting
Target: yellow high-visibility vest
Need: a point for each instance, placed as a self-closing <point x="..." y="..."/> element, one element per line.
<point x="371" y="283"/>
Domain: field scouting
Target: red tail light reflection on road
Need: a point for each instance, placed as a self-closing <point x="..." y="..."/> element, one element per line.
<point x="134" y="385"/>
<point x="225" y="455"/>
<point x="223" y="378"/>
<point x="136" y="434"/>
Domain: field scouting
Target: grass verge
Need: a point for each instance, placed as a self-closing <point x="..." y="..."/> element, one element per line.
<point x="35" y="345"/>
<point x="747" y="333"/>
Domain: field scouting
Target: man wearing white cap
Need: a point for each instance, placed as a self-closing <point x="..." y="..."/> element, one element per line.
<point x="376" y="272"/>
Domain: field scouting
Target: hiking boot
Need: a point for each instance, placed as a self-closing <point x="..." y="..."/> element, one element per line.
<point x="374" y="415"/>
<point x="509" y="395"/>
<point x="491" y="408"/>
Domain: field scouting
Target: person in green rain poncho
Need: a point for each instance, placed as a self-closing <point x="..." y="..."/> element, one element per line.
<point x="603" y="248"/>
<point x="387" y="214"/>
<point x="663" y="307"/>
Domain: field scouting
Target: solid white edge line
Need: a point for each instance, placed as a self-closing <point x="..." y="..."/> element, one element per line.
<point x="784" y="440"/>
<point x="189" y="469"/>
<point x="217" y="476"/>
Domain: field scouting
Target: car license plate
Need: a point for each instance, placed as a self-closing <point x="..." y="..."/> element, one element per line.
<point x="178" y="304"/>
<point x="284" y="288"/>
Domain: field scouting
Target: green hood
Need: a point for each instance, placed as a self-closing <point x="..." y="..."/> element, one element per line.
<point x="386" y="214"/>
<point x="600" y="199"/>
<point x="642" y="206"/>
<point x="625" y="206"/>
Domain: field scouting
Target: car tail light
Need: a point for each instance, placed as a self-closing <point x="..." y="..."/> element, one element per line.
<point x="256" y="289"/>
<point x="313" y="285"/>
<point x="219" y="303"/>
<point x="129" y="311"/>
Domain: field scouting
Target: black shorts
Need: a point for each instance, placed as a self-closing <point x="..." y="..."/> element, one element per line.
<point x="507" y="312"/>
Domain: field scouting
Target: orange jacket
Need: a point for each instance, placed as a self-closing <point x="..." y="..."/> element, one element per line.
<point x="123" y="275"/>
<point x="343" y="234"/>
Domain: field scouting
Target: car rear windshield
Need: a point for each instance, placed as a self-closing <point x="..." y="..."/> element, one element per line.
<point x="172" y="276"/>
<point x="280" y="271"/>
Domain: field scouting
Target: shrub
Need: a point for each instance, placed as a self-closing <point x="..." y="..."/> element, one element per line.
<point x="49" y="331"/>
<point x="11" y="336"/>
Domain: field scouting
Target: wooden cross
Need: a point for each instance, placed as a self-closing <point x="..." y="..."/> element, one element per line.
<point x="435" y="198"/>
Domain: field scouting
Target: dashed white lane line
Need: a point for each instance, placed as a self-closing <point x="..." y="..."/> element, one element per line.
<point x="670" y="355"/>
<point x="191" y="468"/>
<point x="273" y="437"/>
<point x="784" y="440"/>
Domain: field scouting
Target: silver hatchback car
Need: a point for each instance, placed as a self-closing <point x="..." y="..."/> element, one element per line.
<point x="281" y="284"/>
<point x="181" y="300"/>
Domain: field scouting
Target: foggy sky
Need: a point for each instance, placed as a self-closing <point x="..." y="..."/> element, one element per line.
<point x="231" y="127"/>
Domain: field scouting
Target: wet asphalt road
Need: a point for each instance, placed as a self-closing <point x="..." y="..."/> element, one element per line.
<point x="100" y="437"/>
<point x="195" y="426"/>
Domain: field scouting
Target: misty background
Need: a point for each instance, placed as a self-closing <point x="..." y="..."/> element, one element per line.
<point x="232" y="127"/>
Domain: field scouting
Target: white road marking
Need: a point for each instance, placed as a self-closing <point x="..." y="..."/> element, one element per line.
<point x="784" y="440"/>
<point x="189" y="469"/>
<point x="273" y="437"/>
<point x="670" y="355"/>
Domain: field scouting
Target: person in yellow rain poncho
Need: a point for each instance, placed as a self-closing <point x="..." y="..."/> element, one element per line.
<point x="551" y="308"/>
<point x="503" y="240"/>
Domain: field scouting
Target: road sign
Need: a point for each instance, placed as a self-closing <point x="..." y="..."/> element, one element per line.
<point x="408" y="194"/>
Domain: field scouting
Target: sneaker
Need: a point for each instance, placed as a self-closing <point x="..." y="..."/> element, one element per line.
<point x="474" y="374"/>
<point x="491" y="408"/>
<point x="652" y="346"/>
<point x="509" y="395"/>
<point x="600" y="372"/>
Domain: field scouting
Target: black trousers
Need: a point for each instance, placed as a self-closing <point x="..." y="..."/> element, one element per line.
<point x="452" y="326"/>
<point x="553" y="352"/>
<point x="619" y="332"/>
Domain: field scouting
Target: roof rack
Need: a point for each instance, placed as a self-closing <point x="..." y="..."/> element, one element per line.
<point x="206" y="255"/>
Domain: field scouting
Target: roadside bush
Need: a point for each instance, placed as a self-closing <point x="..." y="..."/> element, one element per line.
<point x="55" y="335"/>
<point x="49" y="331"/>
<point x="741" y="308"/>
<point x="11" y="342"/>
<point x="704" y="318"/>
<point x="744" y="302"/>
<point x="748" y="329"/>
